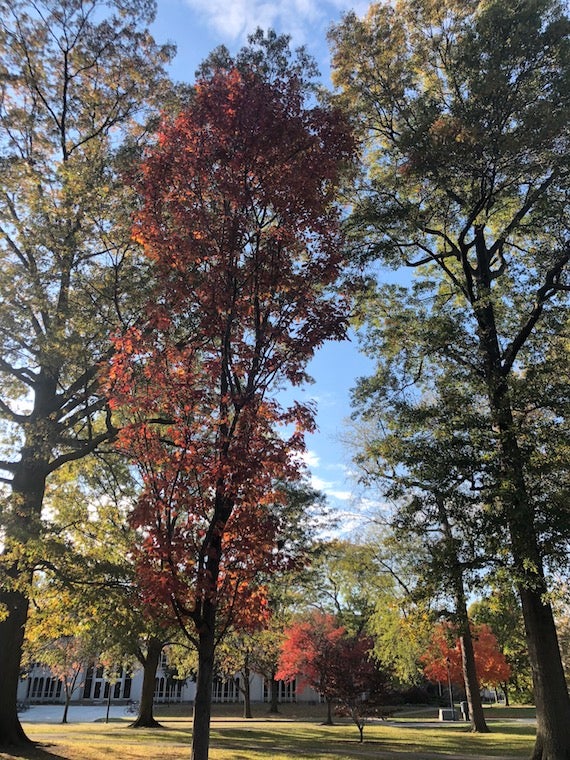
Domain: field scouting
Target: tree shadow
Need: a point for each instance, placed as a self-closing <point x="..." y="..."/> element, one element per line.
<point x="39" y="751"/>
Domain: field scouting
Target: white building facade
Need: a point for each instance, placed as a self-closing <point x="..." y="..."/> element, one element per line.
<point x="38" y="686"/>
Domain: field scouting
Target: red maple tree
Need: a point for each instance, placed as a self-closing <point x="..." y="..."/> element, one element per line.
<point x="319" y="652"/>
<point x="239" y="222"/>
<point x="444" y="654"/>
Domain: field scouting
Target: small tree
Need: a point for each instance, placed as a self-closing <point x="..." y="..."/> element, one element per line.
<point x="61" y="636"/>
<point x="320" y="654"/>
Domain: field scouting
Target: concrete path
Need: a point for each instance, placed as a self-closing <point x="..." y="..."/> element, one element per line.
<point x="75" y="714"/>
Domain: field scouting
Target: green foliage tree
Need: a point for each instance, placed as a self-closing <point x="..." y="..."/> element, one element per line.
<point x="78" y="80"/>
<point x="62" y="636"/>
<point x="424" y="454"/>
<point x="346" y="578"/>
<point x="91" y="546"/>
<point x="464" y="111"/>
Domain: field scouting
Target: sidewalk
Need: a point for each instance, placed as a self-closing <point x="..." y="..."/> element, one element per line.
<point x="75" y="714"/>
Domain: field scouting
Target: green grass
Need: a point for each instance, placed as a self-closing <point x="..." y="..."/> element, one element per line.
<point x="295" y="733"/>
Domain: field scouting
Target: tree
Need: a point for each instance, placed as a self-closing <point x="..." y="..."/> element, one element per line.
<point x="61" y="637"/>
<point x="239" y="221"/>
<point x="464" y="112"/>
<point x="423" y="453"/>
<point x="345" y="580"/>
<point x="444" y="657"/>
<point x="256" y="647"/>
<point x="320" y="654"/>
<point x="500" y="609"/>
<point x="77" y="83"/>
<point x="87" y="559"/>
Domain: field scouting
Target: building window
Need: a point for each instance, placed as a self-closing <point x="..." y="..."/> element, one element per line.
<point x="286" y="691"/>
<point x="225" y="691"/>
<point x="88" y="683"/>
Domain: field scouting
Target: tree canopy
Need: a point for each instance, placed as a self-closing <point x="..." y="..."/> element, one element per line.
<point x="240" y="223"/>
<point x="79" y="81"/>
<point x="463" y="111"/>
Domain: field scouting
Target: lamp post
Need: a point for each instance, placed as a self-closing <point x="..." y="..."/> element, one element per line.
<point x="449" y="687"/>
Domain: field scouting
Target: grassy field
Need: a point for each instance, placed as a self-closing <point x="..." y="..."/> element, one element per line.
<point x="295" y="733"/>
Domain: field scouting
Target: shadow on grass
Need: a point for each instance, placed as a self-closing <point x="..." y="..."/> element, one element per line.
<point x="39" y="751"/>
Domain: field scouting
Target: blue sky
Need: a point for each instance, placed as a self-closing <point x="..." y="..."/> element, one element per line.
<point x="197" y="27"/>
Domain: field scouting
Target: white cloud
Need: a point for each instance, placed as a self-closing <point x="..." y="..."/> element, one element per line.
<point x="237" y="19"/>
<point x="340" y="495"/>
<point x="320" y="484"/>
<point x="310" y="458"/>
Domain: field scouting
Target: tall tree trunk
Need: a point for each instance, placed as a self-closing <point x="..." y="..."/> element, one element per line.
<point x="470" y="679"/>
<point x="329" y="721"/>
<point x="203" y="699"/>
<point x="21" y="522"/>
<point x="476" y="715"/>
<point x="550" y="689"/>
<point x="247" y="690"/>
<point x="11" y="639"/>
<point x="145" y="718"/>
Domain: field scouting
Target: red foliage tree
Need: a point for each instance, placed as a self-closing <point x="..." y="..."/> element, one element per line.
<point x="239" y="221"/>
<point x="445" y="653"/>
<point x="319" y="653"/>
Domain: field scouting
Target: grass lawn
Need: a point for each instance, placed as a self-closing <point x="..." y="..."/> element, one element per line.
<point x="295" y="733"/>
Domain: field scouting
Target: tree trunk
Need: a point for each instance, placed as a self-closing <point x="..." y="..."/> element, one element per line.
<point x="21" y="521"/>
<point x="145" y="718"/>
<point x="203" y="699"/>
<point x="247" y="691"/>
<point x="329" y="721"/>
<point x="550" y="690"/>
<point x="476" y="715"/>
<point x="11" y="638"/>
<point x="505" y="688"/>
<point x="66" y="708"/>
<point x="274" y="691"/>
<point x="470" y="679"/>
<point x="108" y="704"/>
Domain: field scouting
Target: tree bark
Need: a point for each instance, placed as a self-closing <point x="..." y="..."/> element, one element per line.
<point x="203" y="699"/>
<point x="66" y="708"/>
<point x="470" y="678"/>
<point x="247" y="713"/>
<point x="145" y="718"/>
<point x="274" y="691"/>
<point x="21" y="524"/>
<point x="476" y="715"/>
<point x="11" y="638"/>
<point x="550" y="689"/>
<point x="329" y="721"/>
